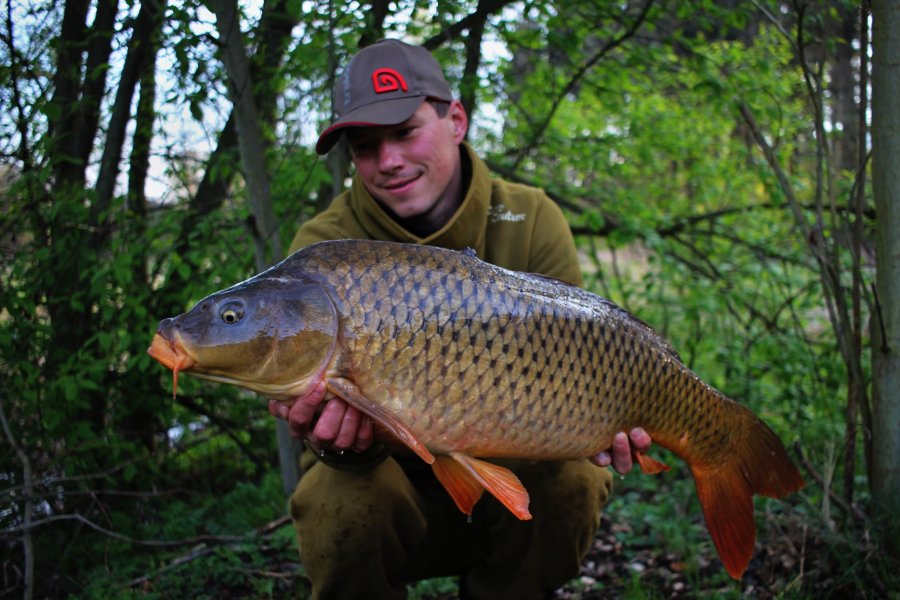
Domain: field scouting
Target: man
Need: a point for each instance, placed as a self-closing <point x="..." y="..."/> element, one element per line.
<point x="369" y="521"/>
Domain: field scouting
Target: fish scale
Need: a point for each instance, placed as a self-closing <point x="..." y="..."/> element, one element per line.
<point x="472" y="312"/>
<point x="462" y="361"/>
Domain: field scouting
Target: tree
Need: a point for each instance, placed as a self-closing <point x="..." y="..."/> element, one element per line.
<point x="886" y="320"/>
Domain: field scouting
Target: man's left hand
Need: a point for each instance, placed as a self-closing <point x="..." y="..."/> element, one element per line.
<point x="619" y="456"/>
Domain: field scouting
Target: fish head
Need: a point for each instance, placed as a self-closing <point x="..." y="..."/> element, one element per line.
<point x="274" y="336"/>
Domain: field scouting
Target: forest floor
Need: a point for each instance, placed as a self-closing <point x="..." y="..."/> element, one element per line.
<point x="652" y="544"/>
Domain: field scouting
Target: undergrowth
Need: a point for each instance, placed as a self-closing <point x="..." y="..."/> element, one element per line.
<point x="652" y="544"/>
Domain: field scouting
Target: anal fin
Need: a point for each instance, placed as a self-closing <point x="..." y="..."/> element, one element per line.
<point x="499" y="481"/>
<point x="458" y="481"/>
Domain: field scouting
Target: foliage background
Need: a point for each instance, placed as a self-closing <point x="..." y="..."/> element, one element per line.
<point x="706" y="153"/>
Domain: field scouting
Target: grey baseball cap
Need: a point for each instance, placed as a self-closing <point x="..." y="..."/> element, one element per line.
<point x="384" y="84"/>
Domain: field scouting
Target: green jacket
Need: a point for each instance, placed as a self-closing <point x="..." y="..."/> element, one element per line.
<point x="507" y="224"/>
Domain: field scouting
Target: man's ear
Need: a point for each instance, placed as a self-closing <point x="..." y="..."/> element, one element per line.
<point x="459" y="120"/>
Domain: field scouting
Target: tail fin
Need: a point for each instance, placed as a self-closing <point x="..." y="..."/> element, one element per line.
<point x="755" y="463"/>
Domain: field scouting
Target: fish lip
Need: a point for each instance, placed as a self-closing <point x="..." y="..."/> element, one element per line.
<point x="171" y="354"/>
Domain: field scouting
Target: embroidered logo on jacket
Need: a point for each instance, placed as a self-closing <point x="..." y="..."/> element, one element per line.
<point x="501" y="213"/>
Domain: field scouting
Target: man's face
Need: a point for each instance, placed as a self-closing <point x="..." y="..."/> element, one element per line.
<point x="413" y="168"/>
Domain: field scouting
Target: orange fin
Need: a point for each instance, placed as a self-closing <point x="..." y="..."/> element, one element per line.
<point x="755" y="463"/>
<point x="728" y="509"/>
<point x="348" y="391"/>
<point x="499" y="481"/>
<point x="648" y="464"/>
<point x="458" y="481"/>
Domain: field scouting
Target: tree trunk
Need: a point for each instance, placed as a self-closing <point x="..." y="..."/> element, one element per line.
<point x="141" y="51"/>
<point x="843" y="85"/>
<point x="250" y="138"/>
<point x="253" y="152"/>
<point x="63" y="121"/>
<point x="96" y="67"/>
<point x="469" y="85"/>
<point x="886" y="339"/>
<point x="140" y="421"/>
<point x="275" y="27"/>
<point x="72" y="128"/>
<point x="273" y="38"/>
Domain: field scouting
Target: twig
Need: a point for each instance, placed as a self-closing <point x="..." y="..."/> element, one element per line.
<point x="199" y="539"/>
<point x="204" y="550"/>
<point x="851" y="509"/>
<point x="538" y="134"/>
<point x="49" y="480"/>
<point x="266" y="573"/>
<point x="177" y="562"/>
<point x="455" y="30"/>
<point x="227" y="426"/>
<point x="27" y="546"/>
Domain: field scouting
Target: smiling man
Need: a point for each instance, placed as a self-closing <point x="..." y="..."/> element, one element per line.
<point x="370" y="520"/>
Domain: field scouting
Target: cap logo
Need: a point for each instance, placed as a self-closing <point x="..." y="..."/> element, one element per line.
<point x="387" y="80"/>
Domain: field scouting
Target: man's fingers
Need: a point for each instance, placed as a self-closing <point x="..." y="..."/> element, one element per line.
<point x="328" y="425"/>
<point x="619" y="457"/>
<point x="303" y="411"/>
<point x="279" y="410"/>
<point x="640" y="440"/>
<point x="621" y="453"/>
<point x="602" y="459"/>
<point x="365" y="435"/>
<point x="349" y="427"/>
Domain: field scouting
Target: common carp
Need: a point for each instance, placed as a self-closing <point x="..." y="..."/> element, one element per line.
<point x="461" y="360"/>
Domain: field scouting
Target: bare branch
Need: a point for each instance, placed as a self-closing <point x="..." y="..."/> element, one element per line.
<point x="851" y="509"/>
<point x="191" y="541"/>
<point x="28" y="512"/>
<point x="205" y="549"/>
<point x="452" y="32"/>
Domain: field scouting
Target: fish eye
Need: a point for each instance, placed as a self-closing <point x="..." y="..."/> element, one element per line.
<point x="232" y="314"/>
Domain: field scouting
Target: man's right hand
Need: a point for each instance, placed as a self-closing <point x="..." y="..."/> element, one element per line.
<point x="326" y="421"/>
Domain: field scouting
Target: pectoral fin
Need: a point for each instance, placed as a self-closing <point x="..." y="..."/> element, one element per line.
<point x="467" y="476"/>
<point x="351" y="394"/>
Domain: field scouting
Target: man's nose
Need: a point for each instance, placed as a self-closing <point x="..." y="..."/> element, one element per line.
<point x="389" y="156"/>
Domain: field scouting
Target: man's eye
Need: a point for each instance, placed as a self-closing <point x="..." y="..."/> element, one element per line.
<point x="361" y="149"/>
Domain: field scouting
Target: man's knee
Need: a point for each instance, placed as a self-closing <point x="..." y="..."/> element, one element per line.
<point x="358" y="525"/>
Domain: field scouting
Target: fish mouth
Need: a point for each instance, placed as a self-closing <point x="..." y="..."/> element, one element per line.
<point x="171" y="354"/>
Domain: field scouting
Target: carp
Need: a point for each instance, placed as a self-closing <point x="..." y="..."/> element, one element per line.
<point x="462" y="361"/>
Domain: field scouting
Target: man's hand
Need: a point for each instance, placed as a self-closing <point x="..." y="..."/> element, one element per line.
<point x="619" y="456"/>
<point x="326" y="421"/>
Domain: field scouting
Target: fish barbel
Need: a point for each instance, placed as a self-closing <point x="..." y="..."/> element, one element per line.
<point x="461" y="360"/>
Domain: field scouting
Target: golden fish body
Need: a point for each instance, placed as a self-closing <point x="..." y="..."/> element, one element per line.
<point x="495" y="363"/>
<point x="460" y="359"/>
